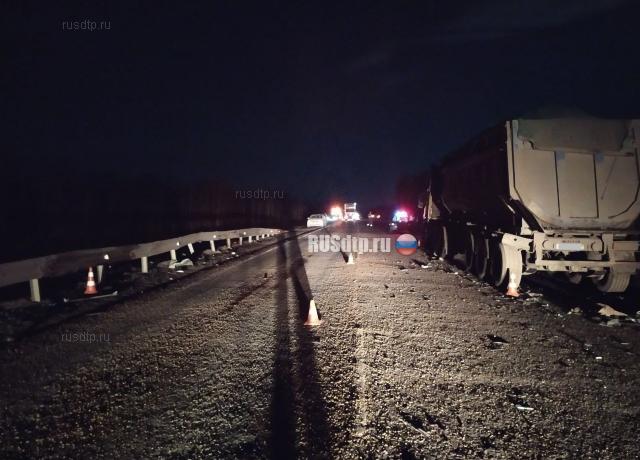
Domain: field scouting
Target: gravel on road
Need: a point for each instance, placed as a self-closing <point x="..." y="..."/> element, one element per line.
<point x="414" y="359"/>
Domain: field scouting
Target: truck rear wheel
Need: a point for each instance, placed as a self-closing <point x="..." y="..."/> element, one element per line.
<point x="481" y="256"/>
<point x="497" y="263"/>
<point x="469" y="249"/>
<point x="505" y="261"/>
<point x="613" y="282"/>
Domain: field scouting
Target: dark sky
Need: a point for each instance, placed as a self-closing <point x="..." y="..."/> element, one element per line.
<point x="318" y="99"/>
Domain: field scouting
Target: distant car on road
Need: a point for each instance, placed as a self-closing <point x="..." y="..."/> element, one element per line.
<point x="317" y="220"/>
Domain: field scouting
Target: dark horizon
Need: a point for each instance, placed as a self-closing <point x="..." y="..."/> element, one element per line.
<point x="320" y="101"/>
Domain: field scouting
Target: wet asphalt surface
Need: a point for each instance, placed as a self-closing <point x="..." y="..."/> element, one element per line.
<point x="414" y="359"/>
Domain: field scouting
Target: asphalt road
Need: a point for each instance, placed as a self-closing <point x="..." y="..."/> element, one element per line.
<point x="413" y="360"/>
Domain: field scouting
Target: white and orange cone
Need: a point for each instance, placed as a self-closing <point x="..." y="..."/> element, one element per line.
<point x="91" y="284"/>
<point x="312" y="317"/>
<point x="512" y="287"/>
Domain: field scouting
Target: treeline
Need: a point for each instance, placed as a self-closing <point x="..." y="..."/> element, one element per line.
<point x="55" y="214"/>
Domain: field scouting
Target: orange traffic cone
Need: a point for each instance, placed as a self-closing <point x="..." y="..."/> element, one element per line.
<point x="512" y="287"/>
<point x="350" y="261"/>
<point x="312" y="317"/>
<point x="91" y="284"/>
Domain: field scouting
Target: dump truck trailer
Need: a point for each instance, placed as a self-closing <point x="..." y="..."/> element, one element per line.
<point x="552" y="194"/>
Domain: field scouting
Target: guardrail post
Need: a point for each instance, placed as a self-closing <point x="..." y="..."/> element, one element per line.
<point x="144" y="265"/>
<point x="190" y="246"/>
<point x="34" y="288"/>
<point x="173" y="254"/>
<point x="240" y="241"/>
<point x="249" y="238"/>
<point x="229" y="243"/>
<point x="213" y="245"/>
<point x="99" y="270"/>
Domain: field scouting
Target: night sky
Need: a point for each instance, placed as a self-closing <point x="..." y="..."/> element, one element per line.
<point x="316" y="99"/>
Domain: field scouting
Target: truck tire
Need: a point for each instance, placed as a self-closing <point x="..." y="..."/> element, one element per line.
<point x="505" y="260"/>
<point x="613" y="282"/>
<point x="497" y="263"/>
<point x="469" y="248"/>
<point x="481" y="257"/>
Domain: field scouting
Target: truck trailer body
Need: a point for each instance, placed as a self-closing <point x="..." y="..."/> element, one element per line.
<point x="553" y="194"/>
<point x="350" y="213"/>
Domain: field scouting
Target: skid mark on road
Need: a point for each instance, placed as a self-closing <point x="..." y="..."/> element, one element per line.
<point x="363" y="370"/>
<point x="362" y="377"/>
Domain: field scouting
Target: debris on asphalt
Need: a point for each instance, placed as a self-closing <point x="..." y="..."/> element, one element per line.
<point x="575" y="311"/>
<point x="82" y="299"/>
<point x="524" y="408"/>
<point x="614" y="322"/>
<point x="181" y="264"/>
<point x="496" y="338"/>
<point x="608" y="311"/>
<point x="496" y="342"/>
<point x="413" y="422"/>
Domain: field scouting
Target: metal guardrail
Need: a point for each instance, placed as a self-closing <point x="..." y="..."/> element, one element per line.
<point x="67" y="262"/>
